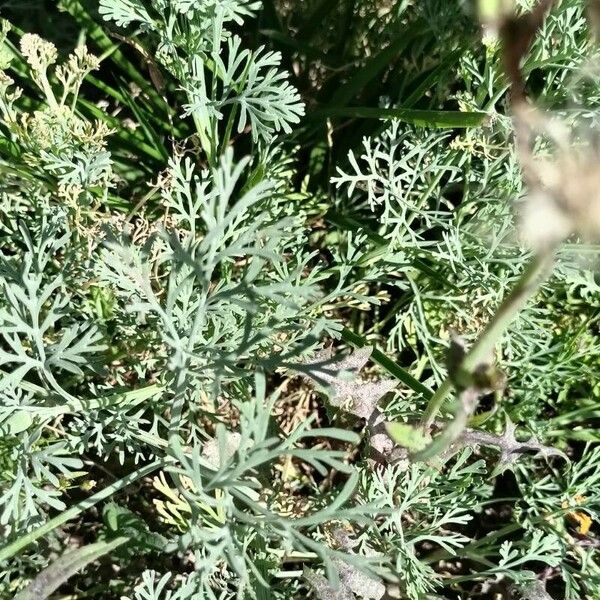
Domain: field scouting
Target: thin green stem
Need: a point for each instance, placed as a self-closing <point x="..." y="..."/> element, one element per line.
<point x="532" y="277"/>
<point x="47" y="89"/>
<point x="15" y="547"/>
<point x="229" y="128"/>
<point x="60" y="570"/>
<point x="204" y="141"/>
<point x="444" y="554"/>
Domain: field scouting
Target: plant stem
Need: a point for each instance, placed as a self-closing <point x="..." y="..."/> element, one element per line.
<point x="532" y="277"/>
<point x="15" y="547"/>
<point x="52" y="577"/>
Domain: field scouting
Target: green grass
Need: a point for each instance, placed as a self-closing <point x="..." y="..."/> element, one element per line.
<point x="268" y="324"/>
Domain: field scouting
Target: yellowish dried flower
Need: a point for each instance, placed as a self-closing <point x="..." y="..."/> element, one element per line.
<point x="85" y="60"/>
<point x="5" y="81"/>
<point x="580" y="519"/>
<point x="78" y="65"/>
<point x="70" y="193"/>
<point x="38" y="52"/>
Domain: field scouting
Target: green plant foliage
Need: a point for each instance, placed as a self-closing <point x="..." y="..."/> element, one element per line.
<point x="297" y="300"/>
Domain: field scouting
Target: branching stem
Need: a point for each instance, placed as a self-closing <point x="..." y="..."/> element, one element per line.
<point x="528" y="284"/>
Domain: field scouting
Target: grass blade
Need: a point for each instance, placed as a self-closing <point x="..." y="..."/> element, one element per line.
<point x="392" y="367"/>
<point x="53" y="576"/>
<point x="15" y="547"/>
<point x="372" y="69"/>
<point x="420" y="118"/>
<point x="311" y="26"/>
<point x="107" y="46"/>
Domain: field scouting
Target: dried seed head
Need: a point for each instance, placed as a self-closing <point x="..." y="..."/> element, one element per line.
<point x="38" y="53"/>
